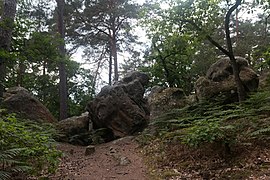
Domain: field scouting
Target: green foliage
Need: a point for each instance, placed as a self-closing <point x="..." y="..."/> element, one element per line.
<point x="177" y="49"/>
<point x="26" y="147"/>
<point x="206" y="132"/>
<point x="264" y="132"/>
<point x="180" y="52"/>
<point x="209" y="122"/>
<point x="170" y="61"/>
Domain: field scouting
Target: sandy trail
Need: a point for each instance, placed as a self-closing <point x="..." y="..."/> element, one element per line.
<point x="117" y="160"/>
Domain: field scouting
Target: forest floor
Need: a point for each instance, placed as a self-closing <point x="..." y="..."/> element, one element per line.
<point x="119" y="160"/>
<point x="124" y="159"/>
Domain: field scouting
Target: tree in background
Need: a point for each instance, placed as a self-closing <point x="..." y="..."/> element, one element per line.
<point x="175" y="44"/>
<point x="201" y="21"/>
<point x="6" y="27"/>
<point x="170" y="63"/>
<point x="63" y="92"/>
<point x="103" y="27"/>
<point x="34" y="60"/>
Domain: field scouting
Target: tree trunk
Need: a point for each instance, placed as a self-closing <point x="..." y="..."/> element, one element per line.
<point x="240" y="87"/>
<point x="167" y="72"/>
<point x="62" y="69"/>
<point x="114" y="54"/>
<point x="6" y="27"/>
<point x="110" y="68"/>
<point x="20" y="74"/>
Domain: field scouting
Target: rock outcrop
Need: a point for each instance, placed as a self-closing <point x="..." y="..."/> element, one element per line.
<point x="264" y="80"/>
<point x="162" y="100"/>
<point x="74" y="125"/>
<point x="18" y="100"/>
<point x="121" y="107"/>
<point x="219" y="80"/>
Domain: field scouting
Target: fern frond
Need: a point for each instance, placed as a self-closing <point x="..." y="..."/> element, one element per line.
<point x="4" y="175"/>
<point x="10" y="153"/>
<point x="261" y="132"/>
<point x="18" y="169"/>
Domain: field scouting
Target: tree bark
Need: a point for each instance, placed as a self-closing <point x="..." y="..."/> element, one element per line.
<point x="240" y="87"/>
<point x="110" y="68"/>
<point x="62" y="69"/>
<point x="6" y="27"/>
<point x="114" y="55"/>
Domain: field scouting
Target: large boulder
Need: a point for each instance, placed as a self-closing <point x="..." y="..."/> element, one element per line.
<point x="219" y="80"/>
<point x="74" y="125"/>
<point x="75" y="130"/>
<point x="121" y="107"/>
<point x="18" y="100"/>
<point x="162" y="100"/>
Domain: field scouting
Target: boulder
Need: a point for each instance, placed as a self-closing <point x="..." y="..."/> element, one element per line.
<point x="162" y="100"/>
<point x="219" y="80"/>
<point x="122" y="107"/>
<point x="264" y="80"/>
<point x="74" y="125"/>
<point x="90" y="150"/>
<point x="18" y="100"/>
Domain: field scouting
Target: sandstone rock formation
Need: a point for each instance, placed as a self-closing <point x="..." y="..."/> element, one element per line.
<point x="162" y="100"/>
<point x="74" y="125"/>
<point x="219" y="80"/>
<point x="264" y="80"/>
<point x="121" y="107"/>
<point x="18" y="100"/>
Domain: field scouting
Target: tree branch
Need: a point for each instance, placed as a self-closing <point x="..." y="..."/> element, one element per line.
<point x="85" y="21"/>
<point x="209" y="38"/>
<point x="227" y="28"/>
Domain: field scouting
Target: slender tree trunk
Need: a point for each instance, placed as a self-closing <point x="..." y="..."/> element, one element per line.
<point x="20" y="74"/>
<point x="167" y="72"/>
<point x="240" y="87"/>
<point x="6" y="27"/>
<point x="110" y="68"/>
<point x="114" y="53"/>
<point x="62" y="69"/>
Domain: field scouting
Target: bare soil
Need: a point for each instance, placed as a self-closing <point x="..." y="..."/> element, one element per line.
<point x="119" y="159"/>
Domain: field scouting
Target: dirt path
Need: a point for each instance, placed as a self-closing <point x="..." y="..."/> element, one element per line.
<point x="117" y="160"/>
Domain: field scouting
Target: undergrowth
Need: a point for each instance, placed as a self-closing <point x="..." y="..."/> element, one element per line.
<point x="207" y="127"/>
<point x="26" y="148"/>
<point x="213" y="121"/>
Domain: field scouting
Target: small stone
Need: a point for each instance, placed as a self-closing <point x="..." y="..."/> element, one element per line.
<point x="71" y="151"/>
<point x="112" y="150"/>
<point x="124" y="161"/>
<point x="89" y="150"/>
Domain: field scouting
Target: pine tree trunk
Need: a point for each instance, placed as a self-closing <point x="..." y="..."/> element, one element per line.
<point x="114" y="55"/>
<point x="110" y="68"/>
<point x="62" y="69"/>
<point x="20" y="74"/>
<point x="240" y="87"/>
<point x="6" y="27"/>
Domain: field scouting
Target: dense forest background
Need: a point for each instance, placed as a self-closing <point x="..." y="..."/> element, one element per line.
<point x="47" y="34"/>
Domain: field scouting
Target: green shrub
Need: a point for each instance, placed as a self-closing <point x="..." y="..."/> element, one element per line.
<point x="26" y="147"/>
<point x="208" y="122"/>
<point x="207" y="131"/>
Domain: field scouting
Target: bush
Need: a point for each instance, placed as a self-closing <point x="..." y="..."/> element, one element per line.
<point x="26" y="147"/>
<point x="209" y="122"/>
<point x="208" y="132"/>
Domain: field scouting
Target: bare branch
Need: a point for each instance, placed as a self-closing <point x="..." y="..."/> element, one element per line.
<point x="208" y="37"/>
<point x="227" y="28"/>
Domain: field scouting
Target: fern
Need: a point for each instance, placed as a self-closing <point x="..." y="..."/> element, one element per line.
<point x="9" y="163"/>
<point x="4" y="175"/>
<point x="263" y="131"/>
<point x="26" y="147"/>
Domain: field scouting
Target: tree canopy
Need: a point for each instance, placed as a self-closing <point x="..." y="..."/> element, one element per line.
<point x="184" y="38"/>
